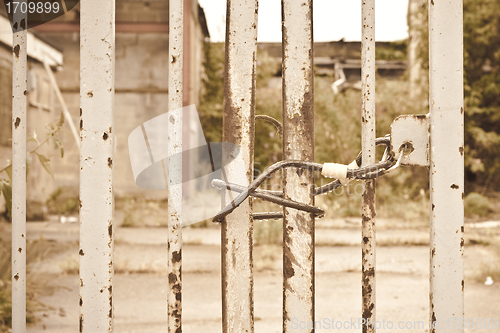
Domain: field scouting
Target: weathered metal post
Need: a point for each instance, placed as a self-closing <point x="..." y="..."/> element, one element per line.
<point x="97" y="88"/>
<point x="19" y="79"/>
<point x="174" y="164"/>
<point x="238" y="128"/>
<point x="368" y="158"/>
<point x="298" y="144"/>
<point x="447" y="164"/>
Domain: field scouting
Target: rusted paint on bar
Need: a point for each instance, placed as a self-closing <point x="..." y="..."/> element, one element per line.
<point x="97" y="84"/>
<point x="298" y="144"/>
<point x="19" y="75"/>
<point x="174" y="165"/>
<point x="447" y="163"/>
<point x="368" y="158"/>
<point x="238" y="128"/>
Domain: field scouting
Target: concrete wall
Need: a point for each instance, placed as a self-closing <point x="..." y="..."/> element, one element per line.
<point x="141" y="87"/>
<point x="141" y="94"/>
<point x="39" y="182"/>
<point x="141" y="91"/>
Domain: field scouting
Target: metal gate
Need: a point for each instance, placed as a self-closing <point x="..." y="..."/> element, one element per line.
<point x="97" y="41"/>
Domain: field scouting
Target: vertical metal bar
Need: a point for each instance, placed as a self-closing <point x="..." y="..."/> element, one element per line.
<point x="447" y="161"/>
<point x="298" y="144"/>
<point x="368" y="158"/>
<point x="238" y="128"/>
<point x="97" y="88"/>
<point x="174" y="164"/>
<point x="415" y="23"/>
<point x="19" y="79"/>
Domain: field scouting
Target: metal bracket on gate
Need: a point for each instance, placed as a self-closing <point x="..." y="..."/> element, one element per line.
<point x="412" y="132"/>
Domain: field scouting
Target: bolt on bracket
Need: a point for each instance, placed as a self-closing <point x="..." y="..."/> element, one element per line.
<point x="411" y="132"/>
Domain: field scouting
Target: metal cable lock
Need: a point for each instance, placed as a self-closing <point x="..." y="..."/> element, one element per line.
<point x="343" y="173"/>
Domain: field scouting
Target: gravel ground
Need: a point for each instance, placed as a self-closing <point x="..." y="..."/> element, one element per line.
<point x="141" y="281"/>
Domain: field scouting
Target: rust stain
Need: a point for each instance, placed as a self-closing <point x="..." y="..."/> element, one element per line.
<point x="172" y="278"/>
<point x="17" y="122"/>
<point x="176" y="256"/>
<point x="17" y="49"/>
<point x="433" y="322"/>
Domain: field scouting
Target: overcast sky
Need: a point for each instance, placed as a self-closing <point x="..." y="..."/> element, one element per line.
<point x="333" y="20"/>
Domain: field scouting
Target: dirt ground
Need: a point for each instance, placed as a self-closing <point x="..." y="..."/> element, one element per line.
<point x="140" y="279"/>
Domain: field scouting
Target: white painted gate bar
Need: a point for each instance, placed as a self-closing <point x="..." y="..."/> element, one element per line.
<point x="447" y="163"/>
<point x="298" y="144"/>
<point x="174" y="165"/>
<point x="238" y="128"/>
<point x="97" y="88"/>
<point x="19" y="116"/>
<point x="368" y="158"/>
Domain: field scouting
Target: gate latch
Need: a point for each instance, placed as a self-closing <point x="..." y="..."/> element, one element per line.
<point x="412" y="132"/>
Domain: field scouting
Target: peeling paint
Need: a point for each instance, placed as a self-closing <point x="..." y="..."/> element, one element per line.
<point x="17" y="49"/>
<point x="298" y="144"/>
